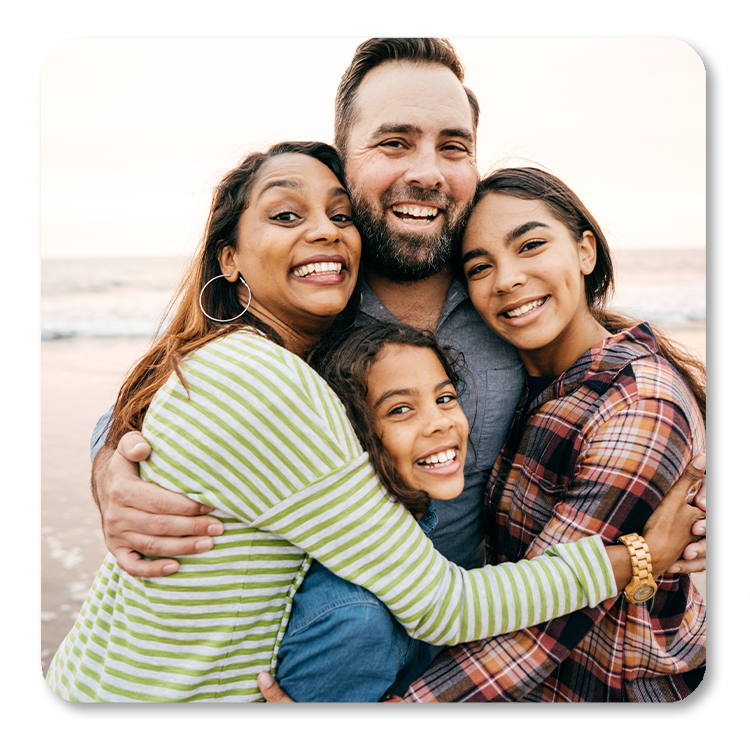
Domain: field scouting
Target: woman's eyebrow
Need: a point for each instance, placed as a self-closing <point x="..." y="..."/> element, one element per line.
<point x="333" y="192"/>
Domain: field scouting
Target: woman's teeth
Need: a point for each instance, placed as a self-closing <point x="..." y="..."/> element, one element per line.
<point x="525" y="308"/>
<point x="415" y="214"/>
<point x="314" y="269"/>
<point x="439" y="459"/>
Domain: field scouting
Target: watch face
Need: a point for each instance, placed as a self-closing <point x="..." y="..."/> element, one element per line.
<point x="644" y="593"/>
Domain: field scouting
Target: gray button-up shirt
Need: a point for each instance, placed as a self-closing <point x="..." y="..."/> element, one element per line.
<point x="489" y="401"/>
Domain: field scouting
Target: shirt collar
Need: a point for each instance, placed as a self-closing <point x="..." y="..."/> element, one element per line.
<point x="372" y="306"/>
<point x="600" y="365"/>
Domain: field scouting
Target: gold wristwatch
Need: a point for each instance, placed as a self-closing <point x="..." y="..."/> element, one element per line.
<point x="642" y="585"/>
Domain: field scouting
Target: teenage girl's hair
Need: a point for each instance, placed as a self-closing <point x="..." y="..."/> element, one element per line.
<point x="375" y="52"/>
<point x="530" y="183"/>
<point x="344" y="359"/>
<point x="189" y="328"/>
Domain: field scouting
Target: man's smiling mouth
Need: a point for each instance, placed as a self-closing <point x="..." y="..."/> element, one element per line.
<point x="410" y="213"/>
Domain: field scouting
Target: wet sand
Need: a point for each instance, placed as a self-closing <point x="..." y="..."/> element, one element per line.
<point x="80" y="379"/>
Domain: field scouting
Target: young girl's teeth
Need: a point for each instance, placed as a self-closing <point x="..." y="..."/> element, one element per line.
<point x="439" y="459"/>
<point x="525" y="308"/>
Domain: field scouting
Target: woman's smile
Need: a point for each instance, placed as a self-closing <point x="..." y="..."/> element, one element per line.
<point x="297" y="248"/>
<point x="526" y="274"/>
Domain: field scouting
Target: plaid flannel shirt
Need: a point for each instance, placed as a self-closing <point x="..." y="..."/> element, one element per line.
<point x="594" y="454"/>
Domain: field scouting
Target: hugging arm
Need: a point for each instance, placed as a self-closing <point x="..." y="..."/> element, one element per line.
<point x="605" y="498"/>
<point x="140" y="518"/>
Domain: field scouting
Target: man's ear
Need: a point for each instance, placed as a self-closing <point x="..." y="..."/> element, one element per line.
<point x="228" y="263"/>
<point x="587" y="252"/>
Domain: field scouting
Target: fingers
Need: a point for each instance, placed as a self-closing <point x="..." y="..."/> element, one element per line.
<point x="163" y="546"/>
<point x="693" y="473"/>
<point x="133" y="447"/>
<point x="131" y="562"/>
<point x="700" y="499"/>
<point x="271" y="690"/>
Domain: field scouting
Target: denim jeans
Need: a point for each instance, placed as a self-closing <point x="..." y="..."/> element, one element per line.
<point x="343" y="645"/>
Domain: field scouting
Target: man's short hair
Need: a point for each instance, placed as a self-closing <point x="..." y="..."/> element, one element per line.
<point x="375" y="52"/>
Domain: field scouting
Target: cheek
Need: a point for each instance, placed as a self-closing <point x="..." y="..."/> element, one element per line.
<point x="372" y="176"/>
<point x="397" y="442"/>
<point x="463" y="184"/>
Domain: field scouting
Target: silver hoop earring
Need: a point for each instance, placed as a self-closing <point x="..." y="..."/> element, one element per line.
<point x="228" y="320"/>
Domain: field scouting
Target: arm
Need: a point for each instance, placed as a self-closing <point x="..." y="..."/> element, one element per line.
<point x="276" y="451"/>
<point x="142" y="518"/>
<point x="604" y="497"/>
<point x="659" y="530"/>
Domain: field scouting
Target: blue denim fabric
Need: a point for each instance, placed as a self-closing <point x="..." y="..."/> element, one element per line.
<point x="342" y="645"/>
<point x="99" y="435"/>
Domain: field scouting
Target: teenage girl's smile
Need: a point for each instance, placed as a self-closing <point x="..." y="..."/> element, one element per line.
<point x="418" y="419"/>
<point x="525" y="273"/>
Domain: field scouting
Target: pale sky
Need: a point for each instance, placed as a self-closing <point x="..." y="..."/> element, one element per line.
<point x="134" y="132"/>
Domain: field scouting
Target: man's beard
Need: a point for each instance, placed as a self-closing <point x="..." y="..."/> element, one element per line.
<point x="405" y="256"/>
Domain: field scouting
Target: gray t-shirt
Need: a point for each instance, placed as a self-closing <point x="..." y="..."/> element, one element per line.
<point x="489" y="402"/>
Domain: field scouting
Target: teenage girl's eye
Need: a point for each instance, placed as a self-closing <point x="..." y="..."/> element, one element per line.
<point x="531" y="245"/>
<point x="476" y="270"/>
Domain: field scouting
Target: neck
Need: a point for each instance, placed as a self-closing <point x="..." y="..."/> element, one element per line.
<point x="298" y="338"/>
<point x="562" y="353"/>
<point x="414" y="303"/>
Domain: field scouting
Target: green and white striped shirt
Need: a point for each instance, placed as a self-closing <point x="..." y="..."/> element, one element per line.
<point x="263" y="439"/>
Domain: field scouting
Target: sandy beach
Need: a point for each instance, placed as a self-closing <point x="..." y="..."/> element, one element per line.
<point x="80" y="379"/>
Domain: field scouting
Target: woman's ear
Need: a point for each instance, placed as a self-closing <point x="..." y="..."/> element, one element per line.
<point x="228" y="263"/>
<point x="587" y="252"/>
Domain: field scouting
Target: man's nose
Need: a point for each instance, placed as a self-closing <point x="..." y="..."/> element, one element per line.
<point x="424" y="169"/>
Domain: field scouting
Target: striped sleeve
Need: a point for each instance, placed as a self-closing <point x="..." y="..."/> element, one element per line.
<point x="261" y="437"/>
<point x="347" y="522"/>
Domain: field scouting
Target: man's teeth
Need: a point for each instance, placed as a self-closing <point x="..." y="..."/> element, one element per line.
<point x="313" y="269"/>
<point x="525" y="308"/>
<point x="415" y="214"/>
<point x="439" y="459"/>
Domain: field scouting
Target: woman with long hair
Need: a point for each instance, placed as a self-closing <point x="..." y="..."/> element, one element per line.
<point x="612" y="413"/>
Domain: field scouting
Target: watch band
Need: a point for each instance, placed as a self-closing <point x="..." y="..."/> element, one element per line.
<point x="642" y="585"/>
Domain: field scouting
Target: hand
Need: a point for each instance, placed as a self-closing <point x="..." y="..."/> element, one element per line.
<point x="271" y="690"/>
<point x="672" y="525"/>
<point x="693" y="559"/>
<point x="139" y="517"/>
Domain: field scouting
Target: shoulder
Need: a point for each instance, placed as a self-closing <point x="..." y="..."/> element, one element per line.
<point x="244" y="359"/>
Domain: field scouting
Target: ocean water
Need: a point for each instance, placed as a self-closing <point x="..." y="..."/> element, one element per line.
<point x="125" y="297"/>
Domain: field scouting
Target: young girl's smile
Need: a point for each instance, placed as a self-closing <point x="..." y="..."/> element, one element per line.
<point x="418" y="419"/>
<point x="525" y="273"/>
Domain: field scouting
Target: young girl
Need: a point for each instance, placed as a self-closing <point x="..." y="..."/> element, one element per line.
<point x="612" y="415"/>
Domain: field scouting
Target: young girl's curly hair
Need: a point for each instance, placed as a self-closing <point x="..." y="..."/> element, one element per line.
<point x="344" y="359"/>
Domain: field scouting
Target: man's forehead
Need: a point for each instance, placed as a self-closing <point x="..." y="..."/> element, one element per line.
<point x="405" y="95"/>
